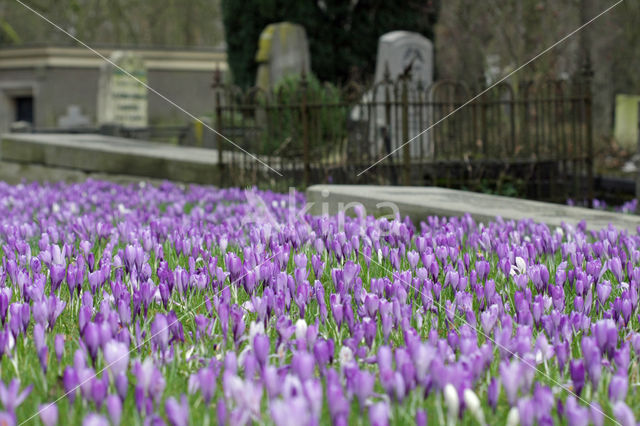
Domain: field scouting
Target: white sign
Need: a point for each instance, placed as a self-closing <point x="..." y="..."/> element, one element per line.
<point x="122" y="100"/>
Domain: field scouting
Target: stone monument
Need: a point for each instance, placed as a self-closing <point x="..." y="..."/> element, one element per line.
<point x="405" y="51"/>
<point x="283" y="50"/>
<point x="626" y="121"/>
<point x="400" y="53"/>
<point x="122" y="100"/>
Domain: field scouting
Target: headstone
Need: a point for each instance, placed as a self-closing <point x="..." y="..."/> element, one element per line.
<point x="400" y="53"/>
<point x="283" y="50"/>
<point x="122" y="100"/>
<point x="626" y="121"/>
<point x="74" y="119"/>
<point x="404" y="49"/>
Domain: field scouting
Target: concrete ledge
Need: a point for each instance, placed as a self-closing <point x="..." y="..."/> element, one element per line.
<point x="90" y="153"/>
<point x="420" y="202"/>
<point x="15" y="173"/>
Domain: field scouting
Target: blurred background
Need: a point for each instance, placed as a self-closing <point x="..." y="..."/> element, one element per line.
<point x="324" y="82"/>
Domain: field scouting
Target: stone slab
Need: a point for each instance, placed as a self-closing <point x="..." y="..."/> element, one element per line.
<point x="92" y="153"/>
<point x="420" y="202"/>
<point x="16" y="173"/>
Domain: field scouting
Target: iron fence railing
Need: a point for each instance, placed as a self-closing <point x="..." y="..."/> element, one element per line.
<point x="534" y="137"/>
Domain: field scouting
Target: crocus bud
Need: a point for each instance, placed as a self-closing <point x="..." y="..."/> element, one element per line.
<point x="261" y="346"/>
<point x="301" y="329"/>
<point x="623" y="414"/>
<point x="59" y="346"/>
<point x="49" y="414"/>
<point x="114" y="408"/>
<point x="453" y="403"/>
<point x="473" y="404"/>
<point x="513" y="418"/>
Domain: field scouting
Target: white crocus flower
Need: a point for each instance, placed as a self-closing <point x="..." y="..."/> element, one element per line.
<point x="513" y="419"/>
<point x="473" y="404"/>
<point x="453" y="403"/>
<point x="345" y="355"/>
<point x="519" y="268"/>
<point x="256" y="327"/>
<point x="301" y="329"/>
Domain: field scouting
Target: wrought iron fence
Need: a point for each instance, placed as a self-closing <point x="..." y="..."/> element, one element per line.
<point x="534" y="138"/>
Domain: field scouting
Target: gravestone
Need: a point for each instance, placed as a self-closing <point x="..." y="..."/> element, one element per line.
<point x="73" y="119"/>
<point x="400" y="53"/>
<point x="283" y="50"/>
<point x="122" y="100"/>
<point x="402" y="50"/>
<point x="626" y="121"/>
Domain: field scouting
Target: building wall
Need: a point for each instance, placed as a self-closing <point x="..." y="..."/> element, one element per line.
<point x="54" y="89"/>
<point x="61" y="87"/>
<point x="15" y="82"/>
<point x="58" y="77"/>
<point x="190" y="90"/>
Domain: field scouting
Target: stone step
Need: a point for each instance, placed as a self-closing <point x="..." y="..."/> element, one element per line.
<point x="91" y="153"/>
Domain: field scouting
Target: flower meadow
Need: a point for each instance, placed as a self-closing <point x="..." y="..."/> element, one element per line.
<point x="183" y="305"/>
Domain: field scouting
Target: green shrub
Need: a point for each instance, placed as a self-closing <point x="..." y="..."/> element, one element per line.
<point x="325" y="112"/>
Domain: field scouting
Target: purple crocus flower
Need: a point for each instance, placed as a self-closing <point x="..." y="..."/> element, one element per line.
<point x="177" y="412"/>
<point x="70" y="381"/>
<point x="379" y="414"/>
<point x="93" y="419"/>
<point x="603" y="291"/>
<point x="290" y="412"/>
<point x="221" y="412"/>
<point x="122" y="385"/>
<point x="363" y="386"/>
<point x="91" y="335"/>
<point x="511" y="378"/>
<point x="116" y="356"/>
<point x="160" y="332"/>
<point x="615" y="266"/>
<point x="493" y="392"/>
<point x="57" y="275"/>
<point x="623" y="414"/>
<point x="58" y="344"/>
<point x="272" y="380"/>
<point x="7" y="419"/>
<point x="150" y="384"/>
<point x="114" y="408"/>
<point x="48" y="414"/>
<point x="618" y="387"/>
<point x="11" y="396"/>
<point x="606" y="333"/>
<point x="576" y="414"/>
<point x="303" y="363"/>
<point x="206" y="382"/>
<point x="576" y="369"/>
<point x="261" y="347"/>
<point x="99" y="388"/>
